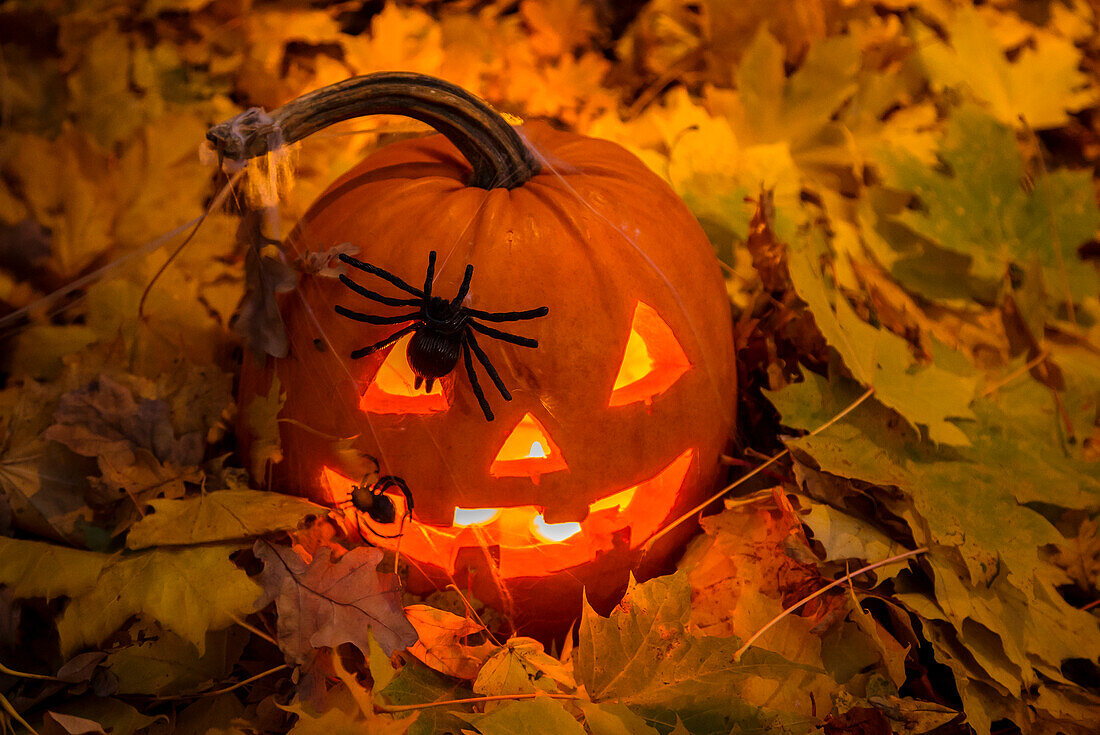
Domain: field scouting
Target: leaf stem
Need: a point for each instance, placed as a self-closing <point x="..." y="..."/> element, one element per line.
<point x="1016" y="373"/>
<point x="227" y="689"/>
<point x="256" y="631"/>
<point x="219" y="199"/>
<point x="472" y="700"/>
<point x="823" y="590"/>
<point x="7" y="707"/>
<point x="23" y="675"/>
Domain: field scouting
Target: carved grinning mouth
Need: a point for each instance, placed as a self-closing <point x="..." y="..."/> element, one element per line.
<point x="521" y="543"/>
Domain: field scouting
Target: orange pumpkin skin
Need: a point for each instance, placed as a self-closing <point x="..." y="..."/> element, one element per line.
<point x="590" y="236"/>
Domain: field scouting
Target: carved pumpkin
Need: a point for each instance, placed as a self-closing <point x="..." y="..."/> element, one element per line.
<point x="616" y="419"/>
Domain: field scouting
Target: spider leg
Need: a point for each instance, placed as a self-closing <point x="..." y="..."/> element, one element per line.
<point x="473" y="382"/>
<point x="464" y="288"/>
<point x="508" y="316"/>
<point x="394" y="481"/>
<point x="484" y="360"/>
<point x="364" y="351"/>
<point x="373" y="296"/>
<point x="504" y="336"/>
<point x="430" y="277"/>
<point x="372" y="319"/>
<point x="376" y="271"/>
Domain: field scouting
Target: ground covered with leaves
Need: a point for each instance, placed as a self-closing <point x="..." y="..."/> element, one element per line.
<point x="903" y="195"/>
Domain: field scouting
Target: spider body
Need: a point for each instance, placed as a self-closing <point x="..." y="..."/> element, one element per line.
<point x="442" y="329"/>
<point x="371" y="499"/>
<point x="436" y="348"/>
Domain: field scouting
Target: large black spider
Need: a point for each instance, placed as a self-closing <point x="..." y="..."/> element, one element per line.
<point x="443" y="330"/>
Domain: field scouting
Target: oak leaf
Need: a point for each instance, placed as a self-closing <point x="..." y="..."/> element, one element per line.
<point x="326" y="602"/>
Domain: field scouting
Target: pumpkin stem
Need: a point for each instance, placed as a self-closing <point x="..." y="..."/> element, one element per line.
<point x="498" y="155"/>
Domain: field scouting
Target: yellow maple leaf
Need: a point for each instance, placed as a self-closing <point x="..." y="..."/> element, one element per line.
<point x="399" y="38"/>
<point x="558" y="27"/>
<point x="1043" y="84"/>
<point x="68" y="186"/>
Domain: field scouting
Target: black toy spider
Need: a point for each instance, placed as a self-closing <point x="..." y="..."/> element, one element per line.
<point x="443" y="330"/>
<point x="371" y="499"/>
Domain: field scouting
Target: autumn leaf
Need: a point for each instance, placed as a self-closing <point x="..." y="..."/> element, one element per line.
<point x="749" y="565"/>
<point x="157" y="661"/>
<point x="337" y="721"/>
<point x="36" y="569"/>
<point x="881" y="359"/>
<point x="225" y="515"/>
<point x="643" y="656"/>
<point x="977" y="207"/>
<point x="993" y="592"/>
<point x="262" y="417"/>
<point x="67" y="186"/>
<point x="326" y="602"/>
<point x="1041" y="84"/>
<point x="522" y="666"/>
<point x="190" y="591"/>
<point x="539" y="716"/>
<point x="55" y="723"/>
<point x="443" y="641"/>
<point x="417" y="684"/>
<point x="133" y="440"/>
<point x="258" y="321"/>
<point x="605" y="718"/>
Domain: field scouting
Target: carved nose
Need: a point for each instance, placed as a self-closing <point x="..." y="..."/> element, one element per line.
<point x="527" y="452"/>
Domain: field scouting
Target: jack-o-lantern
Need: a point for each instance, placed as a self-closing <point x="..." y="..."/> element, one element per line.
<point x="533" y="471"/>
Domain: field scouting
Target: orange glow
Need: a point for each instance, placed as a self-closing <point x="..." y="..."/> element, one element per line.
<point x="527" y="545"/>
<point x="618" y="501"/>
<point x="652" y="360"/>
<point x="392" y="389"/>
<point x="527" y="452"/>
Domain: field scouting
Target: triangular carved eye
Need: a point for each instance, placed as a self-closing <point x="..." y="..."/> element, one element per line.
<point x="527" y="452"/>
<point x="392" y="389"/>
<point x="652" y="361"/>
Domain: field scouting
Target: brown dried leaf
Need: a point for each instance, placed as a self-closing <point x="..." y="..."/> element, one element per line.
<point x="258" y="321"/>
<point x="326" y="602"/>
<point x="133" y="440"/>
<point x="55" y="723"/>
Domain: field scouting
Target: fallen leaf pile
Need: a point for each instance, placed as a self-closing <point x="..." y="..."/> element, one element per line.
<point x="904" y="198"/>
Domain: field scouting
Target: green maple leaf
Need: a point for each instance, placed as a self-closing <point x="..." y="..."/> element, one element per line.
<point x="977" y="207"/>
<point x="795" y="110"/>
<point x="925" y="395"/>
<point x="605" y="718"/>
<point x="160" y="662"/>
<point x="970" y="506"/>
<point x="642" y="656"/>
<point x="539" y="716"/>
<point x="417" y="684"/>
<point x="1042" y="84"/>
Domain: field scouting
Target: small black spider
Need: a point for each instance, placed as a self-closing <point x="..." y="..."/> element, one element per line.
<point x="443" y="330"/>
<point x="371" y="499"/>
